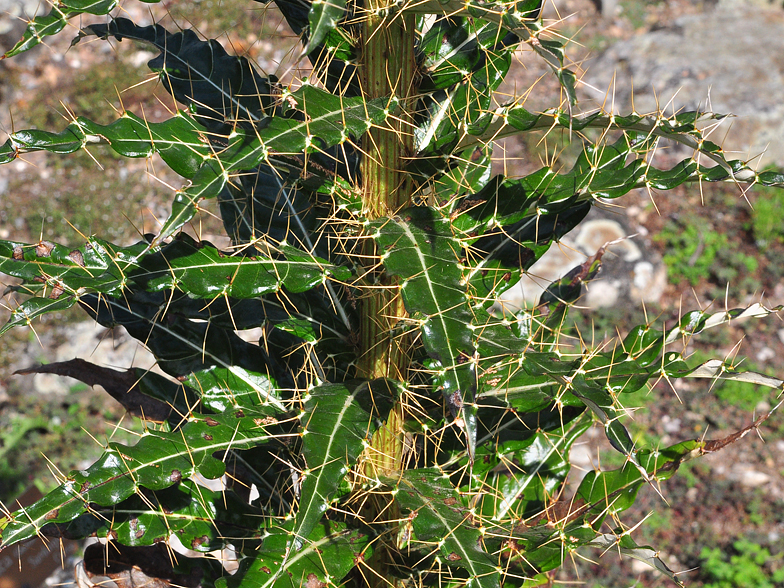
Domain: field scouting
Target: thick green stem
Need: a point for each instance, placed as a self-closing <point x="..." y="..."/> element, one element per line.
<point x="388" y="69"/>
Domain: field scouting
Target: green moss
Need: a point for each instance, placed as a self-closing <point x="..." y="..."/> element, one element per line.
<point x="766" y="215"/>
<point x="691" y="249"/>
<point x="748" y="565"/>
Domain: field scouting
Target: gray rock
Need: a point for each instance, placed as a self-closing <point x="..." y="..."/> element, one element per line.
<point x="728" y="60"/>
<point x="631" y="273"/>
<point x="748" y="476"/>
<point x="671" y="425"/>
<point x="14" y="13"/>
<point x="88" y="340"/>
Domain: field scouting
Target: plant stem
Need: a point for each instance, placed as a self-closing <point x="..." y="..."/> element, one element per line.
<point x="388" y="68"/>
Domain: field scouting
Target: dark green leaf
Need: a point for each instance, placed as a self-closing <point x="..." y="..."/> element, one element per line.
<point x="54" y="22"/>
<point x="324" y="16"/>
<point x="519" y="476"/>
<point x="183" y="347"/>
<point x="438" y="516"/>
<point x="518" y="18"/>
<point x="220" y="87"/>
<point x="624" y="544"/>
<point x="23" y="315"/>
<point x="157" y="461"/>
<point x="337" y="422"/>
<point x="180" y="141"/>
<point x="200" y="518"/>
<point x="330" y="553"/>
<point x="202" y="271"/>
<point x="418" y="247"/>
<point x="315" y="120"/>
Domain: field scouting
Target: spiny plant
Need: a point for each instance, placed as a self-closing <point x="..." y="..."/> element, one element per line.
<point x="392" y="426"/>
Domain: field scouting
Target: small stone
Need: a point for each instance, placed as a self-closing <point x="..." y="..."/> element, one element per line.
<point x="671" y="425"/>
<point x="648" y="282"/>
<point x="763" y="406"/>
<point x="749" y="477"/>
<point x="640" y="567"/>
<point x="49" y="384"/>
<point x="595" y="234"/>
<point x="765" y="354"/>
<point x="140" y="58"/>
<point x="580" y="456"/>
<point x="601" y="294"/>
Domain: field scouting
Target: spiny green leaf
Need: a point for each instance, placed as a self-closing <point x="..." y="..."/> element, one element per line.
<point x="505" y="203"/>
<point x="532" y="550"/>
<point x="613" y="491"/>
<point x="219" y="86"/>
<point x="324" y="16"/>
<point x="439" y="518"/>
<point x="331" y="552"/>
<point x="542" y="541"/>
<point x="596" y="379"/>
<point x="683" y="128"/>
<point x="315" y="120"/>
<point x="203" y="271"/>
<point x="180" y="141"/>
<point x="606" y="493"/>
<point x="196" y="268"/>
<point x="200" y="518"/>
<point x="716" y="369"/>
<point x="624" y="544"/>
<point x="260" y="204"/>
<point x="54" y="22"/>
<point x="521" y="18"/>
<point x="337" y="421"/>
<point x="509" y="224"/>
<point x="595" y="396"/>
<point x="469" y="173"/>
<point x="695" y="322"/>
<point x="456" y="47"/>
<point x="223" y="388"/>
<point x="452" y="111"/>
<point x="419" y="247"/>
<point x="518" y="476"/>
<point x="98" y="265"/>
<point x="529" y="378"/>
<point x="157" y="461"/>
<point x="464" y="61"/>
<point x="502" y="246"/>
<point x="183" y="347"/>
<point x="334" y="58"/>
<point x="24" y="314"/>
